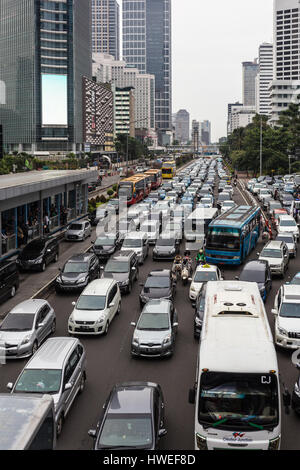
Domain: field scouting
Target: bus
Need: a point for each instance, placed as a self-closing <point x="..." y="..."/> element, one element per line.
<point x="156" y="178"/>
<point x="27" y="422"/>
<point x="168" y="169"/>
<point x="233" y="235"/>
<point x="237" y="388"/>
<point x="197" y="223"/>
<point x="135" y="188"/>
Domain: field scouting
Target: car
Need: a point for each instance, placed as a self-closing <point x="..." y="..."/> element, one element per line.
<point x="9" y="279"/>
<point x="123" y="268"/>
<point x="78" y="231"/>
<point x="137" y="242"/>
<point x="155" y="332"/>
<point x="226" y="205"/>
<point x="258" y="271"/>
<point x="113" y="206"/>
<point x="272" y="205"/>
<point x="288" y="224"/>
<point x="165" y="248"/>
<point x="25" y="327"/>
<point x="105" y="245"/>
<point x="159" y="285"/>
<point x="296" y="280"/>
<point x="287" y="317"/>
<point x="151" y="229"/>
<point x="131" y="418"/>
<point x="96" y="308"/>
<point x="199" y="311"/>
<point x="58" y="368"/>
<point x="125" y="226"/>
<point x="223" y="196"/>
<point x="277" y="255"/>
<point x="38" y="253"/>
<point x="77" y="272"/>
<point x="203" y="274"/>
<point x="100" y="216"/>
<point x="289" y="239"/>
<point x="173" y="230"/>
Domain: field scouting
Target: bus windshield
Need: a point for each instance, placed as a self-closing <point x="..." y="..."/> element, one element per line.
<point x="221" y="238"/>
<point x="238" y="401"/>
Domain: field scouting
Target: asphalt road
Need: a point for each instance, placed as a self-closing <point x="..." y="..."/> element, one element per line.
<point x="110" y="362"/>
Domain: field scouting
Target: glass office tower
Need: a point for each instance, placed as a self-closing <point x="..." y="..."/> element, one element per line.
<point x="45" y="47"/>
<point x="147" y="46"/>
<point x="106" y="27"/>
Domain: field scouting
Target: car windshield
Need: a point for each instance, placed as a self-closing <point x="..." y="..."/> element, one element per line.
<point x="76" y="268"/>
<point x="148" y="228"/>
<point x="205" y="276"/>
<point x="133" y="243"/>
<point x="253" y="275"/>
<point x="157" y="282"/>
<point x="296" y="280"/>
<point x="105" y="242"/>
<point x="91" y="302"/>
<point x="238" y="401"/>
<point x="153" y="321"/>
<point x="18" y="322"/>
<point x="126" y="431"/>
<point x="287" y="223"/>
<point x="114" y="266"/>
<point x="165" y="242"/>
<point x="285" y="238"/>
<point x="76" y="227"/>
<point x="290" y="310"/>
<point x="39" y="381"/>
<point x="34" y="247"/>
<point x="269" y="253"/>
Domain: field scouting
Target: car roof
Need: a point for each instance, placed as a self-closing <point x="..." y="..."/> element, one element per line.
<point x="291" y="293"/>
<point x="123" y="255"/>
<point x="80" y="257"/>
<point x="256" y="265"/>
<point x="276" y="244"/>
<point x="127" y="399"/>
<point x="52" y="354"/>
<point x="160" y="272"/>
<point x="98" y="287"/>
<point x="163" y="305"/>
<point x="29" y="306"/>
<point x="138" y="235"/>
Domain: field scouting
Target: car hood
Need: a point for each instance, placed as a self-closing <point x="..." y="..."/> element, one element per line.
<point x="272" y="261"/>
<point x="103" y="248"/>
<point x="164" y="249"/>
<point x="87" y="315"/>
<point x="151" y="337"/>
<point x="289" y="324"/>
<point x="288" y="229"/>
<point x="74" y="232"/>
<point x="72" y="277"/>
<point x="29" y="255"/>
<point x="155" y="293"/>
<point x="116" y="276"/>
<point x="13" y="337"/>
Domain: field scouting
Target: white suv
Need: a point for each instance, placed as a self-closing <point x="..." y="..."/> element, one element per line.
<point x="95" y="309"/>
<point x="137" y="242"/>
<point x="277" y="255"/>
<point x="288" y="224"/>
<point x="287" y="317"/>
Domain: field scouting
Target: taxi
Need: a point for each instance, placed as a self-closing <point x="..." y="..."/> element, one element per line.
<point x="203" y="274"/>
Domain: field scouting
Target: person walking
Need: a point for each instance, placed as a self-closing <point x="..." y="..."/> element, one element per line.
<point x="46" y="224"/>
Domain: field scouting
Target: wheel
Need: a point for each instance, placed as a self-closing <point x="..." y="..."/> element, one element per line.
<point x="43" y="267"/>
<point x="106" y="327"/>
<point x="13" y="291"/>
<point x="82" y="383"/>
<point x="55" y="258"/>
<point x="119" y="309"/>
<point x="129" y="288"/>
<point x="59" y="425"/>
<point x="34" y="348"/>
<point x="53" y="327"/>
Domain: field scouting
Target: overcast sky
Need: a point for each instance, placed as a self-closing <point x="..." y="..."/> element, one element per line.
<point x="211" y="39"/>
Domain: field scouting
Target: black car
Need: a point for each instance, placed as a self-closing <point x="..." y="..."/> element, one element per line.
<point x="78" y="272"/>
<point x="258" y="271"/>
<point x="106" y="245"/>
<point x="131" y="418"/>
<point x="123" y="268"/>
<point x="165" y="248"/>
<point x="9" y="279"/>
<point x="38" y="254"/>
<point x="159" y="285"/>
<point x="99" y="216"/>
<point x="199" y="311"/>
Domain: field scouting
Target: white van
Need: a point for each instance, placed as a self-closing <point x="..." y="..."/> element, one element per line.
<point x="137" y="242"/>
<point x="237" y="380"/>
<point x="196" y="225"/>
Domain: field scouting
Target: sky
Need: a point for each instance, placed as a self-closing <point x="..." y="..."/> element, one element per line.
<point x="210" y="40"/>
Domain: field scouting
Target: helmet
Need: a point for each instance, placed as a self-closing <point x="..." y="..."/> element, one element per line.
<point x="187" y="253"/>
<point x="201" y="252"/>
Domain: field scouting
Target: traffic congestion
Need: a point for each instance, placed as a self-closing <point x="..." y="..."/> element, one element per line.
<point x="173" y="323"/>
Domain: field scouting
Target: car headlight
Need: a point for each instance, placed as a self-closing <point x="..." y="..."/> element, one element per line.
<point x="125" y="283"/>
<point x="135" y="342"/>
<point x="59" y="280"/>
<point x="81" y="280"/>
<point x="167" y="340"/>
<point x="297" y="390"/>
<point x="38" y="260"/>
<point x="100" y="320"/>
<point x="71" y="320"/>
<point x="201" y="442"/>
<point x="173" y="251"/>
<point x="274" y="444"/>
<point x="282" y="331"/>
<point x="193" y="289"/>
<point x="26" y="340"/>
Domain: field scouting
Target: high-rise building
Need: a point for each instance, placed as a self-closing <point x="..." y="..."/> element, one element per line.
<point x="229" y="112"/>
<point x="195" y="135"/>
<point x="205" y="133"/>
<point x="241" y="116"/>
<point x="124" y="110"/>
<point x="264" y="79"/>
<point x="286" y="77"/>
<point x="147" y="46"/>
<point x="45" y="50"/>
<point x="250" y="70"/>
<point x="182" y="126"/>
<point x="106" y="27"/>
<point x="108" y="70"/>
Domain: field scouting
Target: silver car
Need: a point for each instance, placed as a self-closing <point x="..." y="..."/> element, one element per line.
<point x="78" y="231"/>
<point x="58" y="368"/>
<point x="290" y="240"/>
<point x="156" y="329"/>
<point x="25" y="328"/>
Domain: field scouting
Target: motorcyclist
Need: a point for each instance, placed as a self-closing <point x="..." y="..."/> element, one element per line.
<point x="200" y="258"/>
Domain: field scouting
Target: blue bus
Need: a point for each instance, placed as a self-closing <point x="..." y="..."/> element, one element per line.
<point x="233" y="235"/>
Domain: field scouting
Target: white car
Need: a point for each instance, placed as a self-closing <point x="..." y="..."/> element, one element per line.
<point x="288" y="224"/>
<point x="277" y="255"/>
<point x="287" y="317"/>
<point x="203" y="274"/>
<point x="95" y="309"/>
<point x="290" y="240"/>
<point x="151" y="229"/>
<point x="78" y="231"/>
<point x="137" y="242"/>
<point x="226" y="205"/>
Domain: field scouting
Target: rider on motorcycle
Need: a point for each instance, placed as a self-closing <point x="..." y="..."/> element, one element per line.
<point x="200" y="258"/>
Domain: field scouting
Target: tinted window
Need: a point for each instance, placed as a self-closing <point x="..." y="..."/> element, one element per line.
<point x="18" y="322"/>
<point x="159" y="282"/>
<point x="91" y="302"/>
<point x="252" y="275"/>
<point x="126" y="431"/>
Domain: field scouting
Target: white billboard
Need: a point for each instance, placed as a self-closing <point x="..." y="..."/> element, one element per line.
<point x="54" y="100"/>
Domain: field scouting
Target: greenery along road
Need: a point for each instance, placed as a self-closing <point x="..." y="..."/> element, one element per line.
<point x="278" y="143"/>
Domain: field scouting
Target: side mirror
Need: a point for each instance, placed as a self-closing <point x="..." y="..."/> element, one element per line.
<point x="175" y="324"/>
<point x="190" y="279"/>
<point x="92" y="433"/>
<point x="40" y="325"/>
<point x="192" y="396"/>
<point x="10" y="385"/>
<point x="111" y="305"/>
<point x="258" y="254"/>
<point x="133" y="268"/>
<point x="102" y="267"/>
<point x="162" y="433"/>
<point x="73" y="303"/>
<point x="133" y="323"/>
<point x="68" y="386"/>
<point x="274" y="311"/>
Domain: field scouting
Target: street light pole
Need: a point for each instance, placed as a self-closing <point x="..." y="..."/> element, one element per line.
<point x="260" y="147"/>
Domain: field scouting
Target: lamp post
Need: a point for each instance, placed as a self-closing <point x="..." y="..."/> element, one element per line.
<point x="131" y="122"/>
<point x="260" y="147"/>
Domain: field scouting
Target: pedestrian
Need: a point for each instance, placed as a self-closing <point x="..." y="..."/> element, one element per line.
<point x="46" y="224"/>
<point x="20" y="236"/>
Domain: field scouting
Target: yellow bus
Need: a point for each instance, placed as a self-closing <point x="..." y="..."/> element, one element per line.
<point x="168" y="170"/>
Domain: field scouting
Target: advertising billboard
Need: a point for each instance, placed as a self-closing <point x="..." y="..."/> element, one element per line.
<point x="54" y="100"/>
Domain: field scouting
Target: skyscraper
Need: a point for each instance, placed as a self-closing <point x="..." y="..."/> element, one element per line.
<point x="147" y="46"/>
<point x="205" y="133"/>
<point x="195" y="135"/>
<point x="264" y="79"/>
<point x="250" y="70"/>
<point x="182" y="126"/>
<point x="41" y="75"/>
<point x="106" y="27"/>
<point x="286" y="77"/>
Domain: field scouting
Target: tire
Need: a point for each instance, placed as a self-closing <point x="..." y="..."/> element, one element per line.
<point x="13" y="291"/>
<point x="43" y="267"/>
<point x="53" y="327"/>
<point x="106" y="328"/>
<point x="119" y="309"/>
<point x="129" y="288"/>
<point x="55" y="258"/>
<point x="34" y="348"/>
<point x="82" y="383"/>
<point x="59" y="425"/>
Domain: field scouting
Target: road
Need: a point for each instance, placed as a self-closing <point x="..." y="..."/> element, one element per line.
<point x="110" y="362"/>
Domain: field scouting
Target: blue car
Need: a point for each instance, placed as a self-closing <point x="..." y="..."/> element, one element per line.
<point x="162" y="194"/>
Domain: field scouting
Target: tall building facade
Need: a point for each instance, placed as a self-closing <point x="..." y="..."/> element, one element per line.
<point x="229" y="113"/>
<point x="241" y="116"/>
<point x="196" y="135"/>
<point x="108" y="70"/>
<point x="45" y="49"/>
<point x="106" y="27"/>
<point x="147" y="46"/>
<point x="124" y="116"/>
<point x="205" y="132"/>
<point x="286" y="78"/>
<point x="264" y="79"/>
<point x="250" y="71"/>
<point x="182" y="126"/>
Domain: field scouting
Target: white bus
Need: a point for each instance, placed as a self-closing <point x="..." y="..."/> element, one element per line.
<point x="237" y="393"/>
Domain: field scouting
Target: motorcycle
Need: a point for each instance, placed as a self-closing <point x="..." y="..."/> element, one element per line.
<point x="177" y="269"/>
<point x="185" y="273"/>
